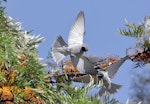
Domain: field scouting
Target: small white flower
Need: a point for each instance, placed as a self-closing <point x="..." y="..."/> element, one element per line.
<point x="10" y="24"/>
<point x="91" y="81"/>
<point x="18" y="26"/>
<point x="44" y="64"/>
<point x="147" y="26"/>
<point x="36" y="46"/>
<point x="9" y="18"/>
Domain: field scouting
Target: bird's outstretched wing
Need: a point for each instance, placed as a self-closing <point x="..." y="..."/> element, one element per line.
<point x="83" y="65"/>
<point x="112" y="69"/>
<point x="76" y="33"/>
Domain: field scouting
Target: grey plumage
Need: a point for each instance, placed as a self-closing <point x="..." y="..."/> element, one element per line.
<point x="109" y="73"/>
<point x="112" y="90"/>
<point x="77" y="30"/>
<point x="59" y="49"/>
<point x="86" y="79"/>
<point x="95" y="59"/>
<point x="83" y="65"/>
<point x="75" y="47"/>
<point x="108" y="86"/>
<point x="112" y="70"/>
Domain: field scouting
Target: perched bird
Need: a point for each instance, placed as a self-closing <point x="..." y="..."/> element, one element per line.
<point x="85" y="66"/>
<point x="75" y="47"/>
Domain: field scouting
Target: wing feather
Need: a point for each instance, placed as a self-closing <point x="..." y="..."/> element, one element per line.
<point x="94" y="59"/>
<point x="59" y="49"/>
<point x="83" y="65"/>
<point x="87" y="79"/>
<point x="76" y="33"/>
<point x="112" y="70"/>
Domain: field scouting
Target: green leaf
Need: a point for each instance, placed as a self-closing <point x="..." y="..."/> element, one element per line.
<point x="132" y="30"/>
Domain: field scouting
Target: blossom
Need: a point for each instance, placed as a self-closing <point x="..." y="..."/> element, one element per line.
<point x="147" y="25"/>
<point x="6" y="93"/>
<point x="68" y="67"/>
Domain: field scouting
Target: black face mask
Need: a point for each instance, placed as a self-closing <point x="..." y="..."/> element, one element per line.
<point x="100" y="76"/>
<point x="83" y="49"/>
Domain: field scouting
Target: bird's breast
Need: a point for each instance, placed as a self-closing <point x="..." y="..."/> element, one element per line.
<point x="75" y="49"/>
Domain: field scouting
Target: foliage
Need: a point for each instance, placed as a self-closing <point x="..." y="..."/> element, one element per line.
<point x="133" y="30"/>
<point x="140" y="81"/>
<point x="108" y="100"/>
<point x="75" y="95"/>
<point x="23" y="79"/>
<point x="22" y="74"/>
<point x="63" y="86"/>
<point x="141" y="33"/>
<point x="63" y="80"/>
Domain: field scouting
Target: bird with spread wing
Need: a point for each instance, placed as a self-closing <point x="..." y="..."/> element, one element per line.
<point x="75" y="46"/>
<point x="85" y="66"/>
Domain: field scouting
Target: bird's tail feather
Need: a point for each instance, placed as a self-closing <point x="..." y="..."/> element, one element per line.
<point x="59" y="49"/>
<point x="112" y="90"/>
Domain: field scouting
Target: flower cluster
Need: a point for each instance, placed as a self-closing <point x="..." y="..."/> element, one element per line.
<point x="21" y="72"/>
<point x="68" y="67"/>
<point x="107" y="62"/>
<point x="8" y="93"/>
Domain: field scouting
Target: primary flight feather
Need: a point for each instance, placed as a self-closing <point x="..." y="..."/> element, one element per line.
<point x="75" y="47"/>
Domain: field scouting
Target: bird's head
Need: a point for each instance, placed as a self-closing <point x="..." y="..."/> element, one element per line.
<point x="100" y="74"/>
<point x="84" y="48"/>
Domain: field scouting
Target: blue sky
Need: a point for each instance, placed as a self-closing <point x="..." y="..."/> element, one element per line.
<point x="103" y="18"/>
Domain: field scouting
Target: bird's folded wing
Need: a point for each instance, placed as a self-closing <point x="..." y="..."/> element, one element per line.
<point x="76" y="33"/>
<point x="83" y="65"/>
<point x="87" y="78"/>
<point x="94" y="59"/>
<point x="112" y="69"/>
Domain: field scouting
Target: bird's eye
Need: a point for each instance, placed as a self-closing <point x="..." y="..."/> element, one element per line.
<point x="97" y="68"/>
<point x="83" y="49"/>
